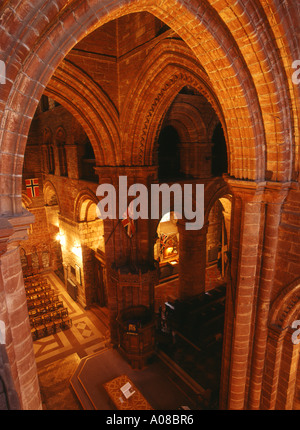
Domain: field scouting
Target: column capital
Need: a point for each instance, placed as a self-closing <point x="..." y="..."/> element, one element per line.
<point x="6" y="231"/>
<point x="258" y="191"/>
<point x="13" y="229"/>
<point x="247" y="190"/>
<point x="276" y="192"/>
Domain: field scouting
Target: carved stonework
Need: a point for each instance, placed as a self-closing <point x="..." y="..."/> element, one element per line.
<point x="13" y="230"/>
<point x="6" y="230"/>
<point x="186" y="79"/>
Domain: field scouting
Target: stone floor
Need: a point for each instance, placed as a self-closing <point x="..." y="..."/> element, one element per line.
<point x="87" y="335"/>
<point x="55" y="388"/>
<point x="58" y="356"/>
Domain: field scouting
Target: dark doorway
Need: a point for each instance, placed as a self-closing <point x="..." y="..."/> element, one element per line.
<point x="168" y="154"/>
<point x="219" y="152"/>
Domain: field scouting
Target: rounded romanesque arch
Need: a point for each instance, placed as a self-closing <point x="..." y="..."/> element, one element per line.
<point x="84" y="206"/>
<point x="50" y="194"/>
<point x="188" y="122"/>
<point x="47" y="136"/>
<point x="216" y="190"/>
<point x="26" y="201"/>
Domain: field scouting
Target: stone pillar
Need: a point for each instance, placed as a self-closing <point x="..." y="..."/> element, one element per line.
<point x="119" y="249"/>
<point x="254" y="234"/>
<point x="273" y="199"/>
<point x="192" y="261"/>
<point x="14" y="312"/>
<point x="195" y="159"/>
<point x="72" y="161"/>
<point x="131" y="271"/>
<point x="272" y="367"/>
<point x="203" y="156"/>
<point x="244" y="248"/>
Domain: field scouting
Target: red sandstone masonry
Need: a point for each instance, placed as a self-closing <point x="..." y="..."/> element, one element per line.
<point x="251" y="58"/>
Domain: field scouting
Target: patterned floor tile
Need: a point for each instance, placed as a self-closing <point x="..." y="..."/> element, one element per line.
<point x="82" y="337"/>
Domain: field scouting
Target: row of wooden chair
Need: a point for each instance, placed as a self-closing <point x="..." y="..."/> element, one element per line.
<point x="33" y="278"/>
<point x="50" y="323"/>
<point x="37" y="289"/>
<point x="31" y="304"/>
<point x="41" y="295"/>
<point x="46" y="310"/>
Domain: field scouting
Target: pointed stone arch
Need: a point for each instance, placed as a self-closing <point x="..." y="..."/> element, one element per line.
<point x="167" y="69"/>
<point x="92" y="108"/>
<point x="38" y="53"/>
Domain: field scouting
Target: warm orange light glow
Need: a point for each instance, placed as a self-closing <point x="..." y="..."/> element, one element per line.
<point x="60" y="237"/>
<point x="169" y="250"/>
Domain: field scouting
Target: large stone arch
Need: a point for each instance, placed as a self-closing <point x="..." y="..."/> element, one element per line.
<point x="274" y="104"/>
<point x="250" y="72"/>
<point x="167" y="69"/>
<point x="36" y="49"/>
<point x="90" y="106"/>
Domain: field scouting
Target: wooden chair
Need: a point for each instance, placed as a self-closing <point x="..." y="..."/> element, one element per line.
<point x="56" y="319"/>
<point x="39" y="327"/>
<point x="32" y="313"/>
<point x="55" y="298"/>
<point x="59" y="304"/>
<point x="34" y="333"/>
<point x="66" y="321"/>
<point x="49" y="293"/>
<point x="49" y="324"/>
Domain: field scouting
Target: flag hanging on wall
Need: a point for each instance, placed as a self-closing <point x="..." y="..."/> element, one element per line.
<point x="128" y="223"/>
<point x="32" y="187"/>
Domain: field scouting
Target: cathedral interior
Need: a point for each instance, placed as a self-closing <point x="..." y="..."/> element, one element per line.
<point x="187" y="93"/>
